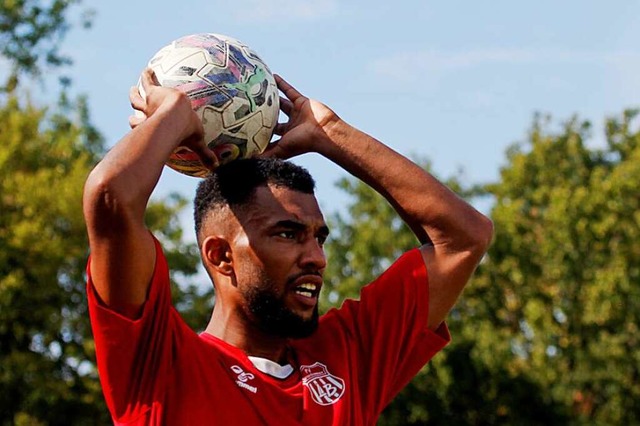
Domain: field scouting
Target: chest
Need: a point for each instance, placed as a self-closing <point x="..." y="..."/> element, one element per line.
<point x="218" y="387"/>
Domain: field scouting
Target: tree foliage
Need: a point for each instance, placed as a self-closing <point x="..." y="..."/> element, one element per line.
<point x="43" y="164"/>
<point x="30" y="35"/>
<point x="562" y="278"/>
<point x="547" y="330"/>
<point x="47" y="370"/>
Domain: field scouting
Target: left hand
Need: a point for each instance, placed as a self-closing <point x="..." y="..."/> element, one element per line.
<point x="160" y="100"/>
<point x="307" y="126"/>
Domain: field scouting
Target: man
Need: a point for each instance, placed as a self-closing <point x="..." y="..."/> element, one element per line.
<point x="265" y="357"/>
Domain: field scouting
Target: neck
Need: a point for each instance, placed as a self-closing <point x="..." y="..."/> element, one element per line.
<point x="239" y="332"/>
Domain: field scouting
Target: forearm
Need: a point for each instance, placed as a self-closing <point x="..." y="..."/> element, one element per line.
<point x="455" y="236"/>
<point x="123" y="181"/>
<point x="118" y="190"/>
<point x="433" y="212"/>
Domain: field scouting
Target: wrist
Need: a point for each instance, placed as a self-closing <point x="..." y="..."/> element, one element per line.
<point x="333" y="134"/>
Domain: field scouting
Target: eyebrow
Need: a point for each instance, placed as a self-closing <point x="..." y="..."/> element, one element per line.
<point x="298" y="226"/>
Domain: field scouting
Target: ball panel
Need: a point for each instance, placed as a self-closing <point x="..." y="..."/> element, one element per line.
<point x="215" y="45"/>
<point x="231" y="89"/>
<point x="187" y="162"/>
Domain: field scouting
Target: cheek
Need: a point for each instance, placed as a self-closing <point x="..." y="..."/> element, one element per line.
<point x="246" y="260"/>
<point x="267" y="261"/>
<point x="267" y="277"/>
<point x="248" y="272"/>
<point x="262" y="263"/>
<point x="251" y="270"/>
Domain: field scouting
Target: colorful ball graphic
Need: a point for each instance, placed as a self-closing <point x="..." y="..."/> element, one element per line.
<point x="231" y="89"/>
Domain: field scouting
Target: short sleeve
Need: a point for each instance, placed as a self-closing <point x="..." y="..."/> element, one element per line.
<point x="390" y="321"/>
<point x="134" y="356"/>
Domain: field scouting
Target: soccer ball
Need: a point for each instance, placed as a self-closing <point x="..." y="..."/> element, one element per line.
<point x="232" y="91"/>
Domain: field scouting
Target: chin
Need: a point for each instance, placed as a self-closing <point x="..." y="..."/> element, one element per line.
<point x="275" y="317"/>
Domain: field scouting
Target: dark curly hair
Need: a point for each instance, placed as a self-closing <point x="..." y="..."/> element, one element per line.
<point x="234" y="183"/>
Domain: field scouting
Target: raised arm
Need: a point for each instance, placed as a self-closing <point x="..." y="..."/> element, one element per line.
<point x="455" y="236"/>
<point x="117" y="191"/>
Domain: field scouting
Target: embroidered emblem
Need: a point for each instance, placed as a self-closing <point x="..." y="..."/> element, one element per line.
<point x="325" y="388"/>
<point x="243" y="378"/>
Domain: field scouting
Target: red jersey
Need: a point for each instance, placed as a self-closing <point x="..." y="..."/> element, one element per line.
<point x="155" y="370"/>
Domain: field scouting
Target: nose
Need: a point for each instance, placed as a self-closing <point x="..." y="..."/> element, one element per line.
<point x="313" y="256"/>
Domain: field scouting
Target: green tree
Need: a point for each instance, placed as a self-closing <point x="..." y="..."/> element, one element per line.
<point x="46" y="350"/>
<point x="547" y="330"/>
<point x="43" y="350"/>
<point x="562" y="279"/>
<point x="30" y="35"/>
<point x="47" y="370"/>
<point x="455" y="387"/>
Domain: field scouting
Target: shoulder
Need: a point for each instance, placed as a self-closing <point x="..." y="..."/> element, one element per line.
<point x="407" y="273"/>
<point x="406" y="277"/>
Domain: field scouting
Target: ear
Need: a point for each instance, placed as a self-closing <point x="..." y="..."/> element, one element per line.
<point x="217" y="255"/>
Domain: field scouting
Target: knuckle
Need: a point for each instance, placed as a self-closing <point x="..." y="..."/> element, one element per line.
<point x="180" y="97"/>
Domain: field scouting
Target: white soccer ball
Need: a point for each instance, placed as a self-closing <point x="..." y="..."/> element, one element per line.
<point x="231" y="89"/>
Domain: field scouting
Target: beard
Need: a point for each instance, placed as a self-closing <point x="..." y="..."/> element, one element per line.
<point x="271" y="315"/>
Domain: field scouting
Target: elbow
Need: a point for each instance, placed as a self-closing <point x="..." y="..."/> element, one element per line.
<point x="97" y="194"/>
<point x="103" y="202"/>
<point x="473" y="236"/>
<point x="481" y="235"/>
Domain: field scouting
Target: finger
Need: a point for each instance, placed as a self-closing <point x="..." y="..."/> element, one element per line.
<point x="136" y="99"/>
<point x="207" y="157"/>
<point x="278" y="149"/>
<point x="286" y="105"/>
<point x="280" y="129"/>
<point x="288" y="90"/>
<point x="148" y="79"/>
<point x="272" y="150"/>
<point x="136" y="120"/>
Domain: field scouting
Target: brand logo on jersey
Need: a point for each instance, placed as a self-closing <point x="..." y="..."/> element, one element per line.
<point x="243" y="378"/>
<point x="325" y="388"/>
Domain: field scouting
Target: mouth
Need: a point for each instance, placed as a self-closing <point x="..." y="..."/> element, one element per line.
<point x="306" y="290"/>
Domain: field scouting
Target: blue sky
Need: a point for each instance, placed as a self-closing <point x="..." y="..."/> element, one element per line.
<point x="457" y="82"/>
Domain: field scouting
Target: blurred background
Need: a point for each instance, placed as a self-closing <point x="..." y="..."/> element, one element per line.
<point x="527" y="110"/>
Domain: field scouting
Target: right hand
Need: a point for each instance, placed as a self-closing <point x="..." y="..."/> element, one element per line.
<point x="163" y="100"/>
<point x="306" y="128"/>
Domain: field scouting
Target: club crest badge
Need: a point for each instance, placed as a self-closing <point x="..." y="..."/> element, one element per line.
<point x="325" y="388"/>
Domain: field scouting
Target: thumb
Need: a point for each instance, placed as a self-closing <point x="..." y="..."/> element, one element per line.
<point x="206" y="155"/>
<point x="274" y="150"/>
<point x="208" y="158"/>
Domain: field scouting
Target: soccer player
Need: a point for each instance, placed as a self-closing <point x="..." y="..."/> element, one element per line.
<point x="265" y="357"/>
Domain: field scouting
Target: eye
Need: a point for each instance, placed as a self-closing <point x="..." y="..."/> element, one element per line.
<point x="321" y="239"/>
<point x="289" y="235"/>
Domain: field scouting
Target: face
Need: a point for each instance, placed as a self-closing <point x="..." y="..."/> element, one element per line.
<point x="279" y="261"/>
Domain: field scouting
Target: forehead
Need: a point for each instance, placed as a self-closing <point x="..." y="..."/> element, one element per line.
<point x="272" y="204"/>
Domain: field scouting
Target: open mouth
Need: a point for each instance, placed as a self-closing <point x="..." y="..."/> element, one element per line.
<point x="307" y="290"/>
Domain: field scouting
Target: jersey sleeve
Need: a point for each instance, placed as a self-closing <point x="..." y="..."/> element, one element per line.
<point x="134" y="355"/>
<point x="390" y="328"/>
